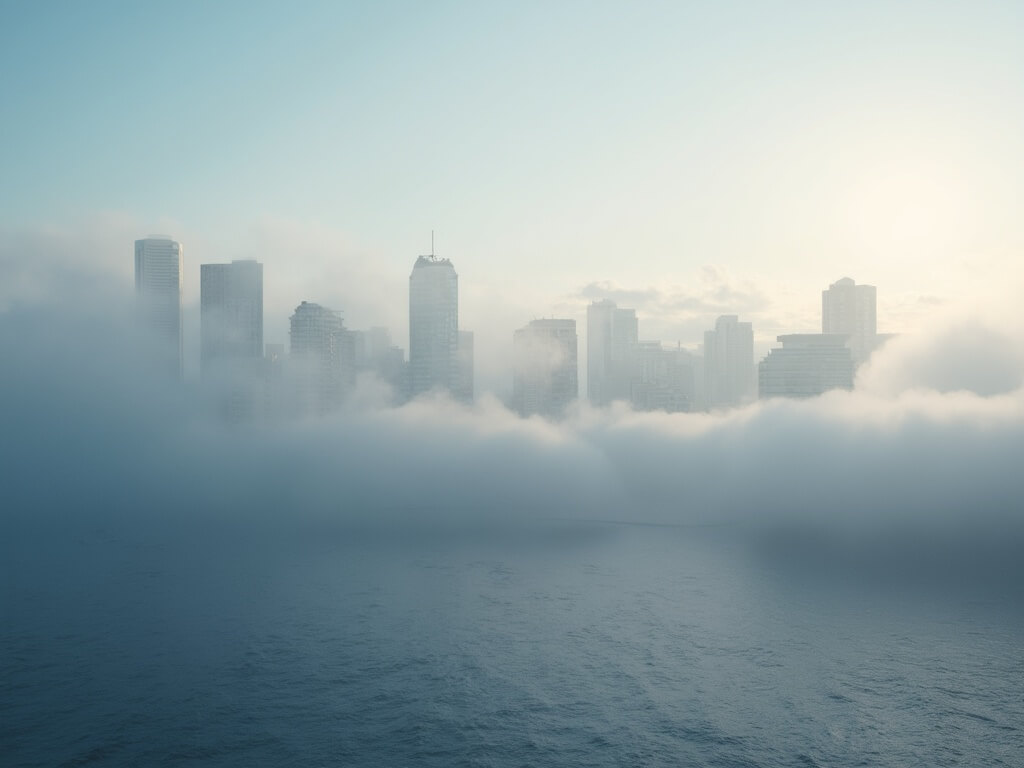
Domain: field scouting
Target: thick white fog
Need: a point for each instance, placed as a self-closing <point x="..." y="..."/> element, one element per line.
<point x="933" y="434"/>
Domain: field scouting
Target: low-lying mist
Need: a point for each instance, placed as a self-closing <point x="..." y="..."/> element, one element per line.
<point x="931" y="438"/>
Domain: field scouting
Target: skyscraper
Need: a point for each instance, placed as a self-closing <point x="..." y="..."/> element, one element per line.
<point x="322" y="357"/>
<point x="611" y="351"/>
<point x="850" y="308"/>
<point x="729" y="363"/>
<point x="433" y="326"/>
<point x="545" y="378"/>
<point x="231" y="304"/>
<point x="158" y="279"/>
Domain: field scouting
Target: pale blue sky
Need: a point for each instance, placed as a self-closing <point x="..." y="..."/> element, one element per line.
<point x="552" y="145"/>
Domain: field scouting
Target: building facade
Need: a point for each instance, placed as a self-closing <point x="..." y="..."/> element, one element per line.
<point x="545" y="376"/>
<point x="322" y="358"/>
<point x="729" y="363"/>
<point x="611" y="352"/>
<point x="850" y="309"/>
<point x="807" y="365"/>
<point x="231" y="308"/>
<point x="666" y="379"/>
<point x="434" y="327"/>
<point x="158" y="288"/>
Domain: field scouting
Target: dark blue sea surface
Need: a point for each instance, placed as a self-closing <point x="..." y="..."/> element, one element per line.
<point x="557" y="643"/>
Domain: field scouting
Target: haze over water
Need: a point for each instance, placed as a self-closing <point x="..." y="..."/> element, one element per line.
<point x="550" y="643"/>
<point x="827" y="581"/>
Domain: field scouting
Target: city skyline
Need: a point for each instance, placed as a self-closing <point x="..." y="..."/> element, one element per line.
<point x="586" y="166"/>
<point x="376" y="307"/>
<point x="723" y="372"/>
<point x="584" y="382"/>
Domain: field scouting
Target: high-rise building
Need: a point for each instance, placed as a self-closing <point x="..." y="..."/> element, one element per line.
<point x="231" y="306"/>
<point x="611" y="351"/>
<point x="850" y="309"/>
<point x="322" y="356"/>
<point x="807" y="365"/>
<point x="434" y="327"/>
<point x="158" y="282"/>
<point x="665" y="379"/>
<point x="729" y="363"/>
<point x="545" y="378"/>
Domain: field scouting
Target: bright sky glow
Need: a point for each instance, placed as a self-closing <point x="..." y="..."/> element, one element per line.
<point x="751" y="151"/>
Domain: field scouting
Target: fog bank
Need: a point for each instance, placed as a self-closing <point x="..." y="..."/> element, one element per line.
<point x="932" y="437"/>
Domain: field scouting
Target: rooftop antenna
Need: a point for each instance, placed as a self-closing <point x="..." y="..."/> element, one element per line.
<point x="431" y="243"/>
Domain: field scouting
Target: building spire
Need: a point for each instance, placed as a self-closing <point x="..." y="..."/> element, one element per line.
<point x="431" y="243"/>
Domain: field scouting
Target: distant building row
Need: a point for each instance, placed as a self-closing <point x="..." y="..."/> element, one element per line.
<point x="621" y="367"/>
<point x="325" y="356"/>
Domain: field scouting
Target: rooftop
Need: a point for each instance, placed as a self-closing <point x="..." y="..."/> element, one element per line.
<point x="431" y="261"/>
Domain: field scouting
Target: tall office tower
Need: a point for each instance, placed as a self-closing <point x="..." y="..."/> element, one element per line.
<point x="611" y="351"/>
<point x="464" y="379"/>
<point x="850" y="308"/>
<point x="729" y="363"/>
<point x="545" y="376"/>
<point x="158" y="280"/>
<point x="231" y="306"/>
<point x="433" y="326"/>
<point x="322" y="355"/>
<point x="807" y="364"/>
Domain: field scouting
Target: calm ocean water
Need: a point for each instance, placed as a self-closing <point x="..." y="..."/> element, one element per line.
<point x="545" y="644"/>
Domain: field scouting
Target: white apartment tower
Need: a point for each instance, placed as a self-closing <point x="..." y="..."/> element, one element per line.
<point x="434" y="360"/>
<point x="850" y="309"/>
<point x="545" y="379"/>
<point x="158" y="281"/>
<point x="231" y="304"/>
<point x="729" y="363"/>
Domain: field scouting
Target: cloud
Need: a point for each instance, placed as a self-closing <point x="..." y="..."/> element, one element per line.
<point x="930" y="443"/>
<point x="88" y="424"/>
<point x="961" y="356"/>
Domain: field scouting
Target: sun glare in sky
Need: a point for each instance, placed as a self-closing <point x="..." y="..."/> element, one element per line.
<point x="551" y="147"/>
